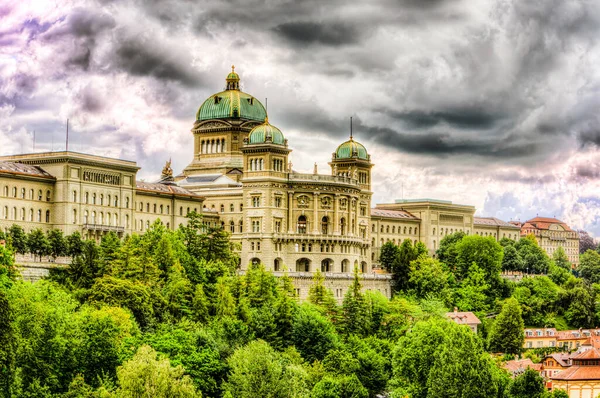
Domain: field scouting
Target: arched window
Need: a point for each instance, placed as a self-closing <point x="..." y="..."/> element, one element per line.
<point x="74" y="196"/>
<point x="241" y="226"/>
<point x="302" y="225"/>
<point x="100" y="218"/>
<point x="108" y="200"/>
<point x="127" y="202"/>
<point x="101" y="199"/>
<point x="325" y="225"/>
<point x="93" y="217"/>
<point x="161" y="209"/>
<point x="303" y="265"/>
<point x="154" y="208"/>
<point x="222" y="208"/>
<point x="141" y="225"/>
<point x="345" y="265"/>
<point x="30" y="214"/>
<point x="14" y="192"/>
<point x="5" y="191"/>
<point x="108" y="219"/>
<point x="326" y="265"/>
<point x="94" y="199"/>
<point x="74" y="216"/>
<point x="127" y="221"/>
<point x="23" y="214"/>
<point x="404" y="231"/>
<point x="181" y="210"/>
<point x="168" y="209"/>
<point x="387" y="229"/>
<point x="6" y="213"/>
<point x="231" y="208"/>
<point x="231" y="226"/>
<point x="116" y="201"/>
<point x="147" y="207"/>
<point x="39" y="215"/>
<point x="277" y="264"/>
<point x="85" y="217"/>
<point x="31" y="194"/>
<point x="343" y="226"/>
<point x="23" y="193"/>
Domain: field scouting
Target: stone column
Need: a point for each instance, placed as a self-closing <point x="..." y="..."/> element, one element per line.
<point x="336" y="221"/>
<point x="349" y="216"/>
<point x="315" y="212"/>
<point x="290" y="211"/>
<point x="357" y="212"/>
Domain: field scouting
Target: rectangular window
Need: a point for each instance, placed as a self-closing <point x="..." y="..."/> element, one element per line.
<point x="277" y="201"/>
<point x="255" y="226"/>
<point x="277" y="226"/>
<point x="256" y="201"/>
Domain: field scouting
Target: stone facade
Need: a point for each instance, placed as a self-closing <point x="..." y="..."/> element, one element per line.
<point x="85" y="193"/>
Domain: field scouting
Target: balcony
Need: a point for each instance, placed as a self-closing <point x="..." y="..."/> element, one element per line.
<point x="323" y="178"/>
<point x="319" y="238"/>
<point x="334" y="275"/>
<point x="103" y="228"/>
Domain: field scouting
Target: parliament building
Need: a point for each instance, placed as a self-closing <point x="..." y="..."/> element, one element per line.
<point x="240" y="178"/>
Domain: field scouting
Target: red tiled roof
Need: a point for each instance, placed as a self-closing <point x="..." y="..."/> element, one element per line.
<point x="516" y="366"/>
<point x="561" y="358"/>
<point x="393" y="214"/>
<point x="463" y="318"/>
<point x="578" y="373"/>
<point x="544" y="223"/>
<point x="591" y="353"/>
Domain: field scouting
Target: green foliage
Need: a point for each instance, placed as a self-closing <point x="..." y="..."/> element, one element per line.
<point x="147" y="375"/>
<point x="561" y="259"/>
<point x="529" y="384"/>
<point x="37" y="242"/>
<point x="428" y="277"/>
<point x="57" y="243"/>
<point x="7" y="345"/>
<point x="339" y="387"/>
<point x="74" y="244"/>
<point x="589" y="266"/>
<point x="535" y="259"/>
<point x="507" y="334"/>
<point x="257" y="370"/>
<point x="313" y="334"/>
<point x="483" y="251"/>
<point x="355" y="310"/>
<point x="471" y="296"/>
<point x="439" y="358"/>
<point x="447" y="253"/>
<point x="18" y="239"/>
<point x="582" y="310"/>
<point x="512" y="260"/>
<point x="388" y="255"/>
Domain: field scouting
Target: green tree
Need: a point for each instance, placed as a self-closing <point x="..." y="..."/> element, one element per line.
<point x="8" y="273"/>
<point x="85" y="266"/>
<point x="145" y="375"/>
<point x="322" y="296"/>
<point x="589" y="266"/>
<point x="529" y="384"/>
<point x="225" y="302"/>
<point x="74" y="244"/>
<point x="7" y="345"/>
<point x="38" y="243"/>
<point x="285" y="311"/>
<point x="108" y="251"/>
<point x="561" y="259"/>
<point x="581" y="311"/>
<point x="483" y="251"/>
<point x="535" y="259"/>
<point x="507" y="334"/>
<point x="57" y="242"/>
<point x="355" y="310"/>
<point x="257" y="370"/>
<point x="428" y="277"/>
<point x="472" y="294"/>
<point x="401" y="266"/>
<point x="512" y="260"/>
<point x="388" y="255"/>
<point x="339" y="387"/>
<point x="446" y="253"/>
<point x="18" y="239"/>
<point x="200" y="305"/>
<point x="313" y="334"/>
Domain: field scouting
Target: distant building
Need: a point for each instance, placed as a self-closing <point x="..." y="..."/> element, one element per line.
<point x="464" y="318"/>
<point x="582" y="377"/>
<point x="551" y="234"/>
<point x="569" y="340"/>
<point x="519" y="366"/>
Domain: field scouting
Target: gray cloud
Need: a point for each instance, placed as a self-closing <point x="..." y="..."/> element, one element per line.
<point x="327" y="33"/>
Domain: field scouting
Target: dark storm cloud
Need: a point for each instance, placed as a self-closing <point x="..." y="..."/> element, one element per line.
<point x="463" y="117"/>
<point x="141" y="57"/>
<point x="327" y="33"/>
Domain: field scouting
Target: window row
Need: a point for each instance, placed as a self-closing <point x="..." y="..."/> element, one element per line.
<point x="24" y="194"/>
<point x="326" y="226"/>
<point x="213" y="146"/>
<point x="100" y="199"/>
<point x="401" y="230"/>
<point x="23" y="214"/>
<point x="156" y="209"/>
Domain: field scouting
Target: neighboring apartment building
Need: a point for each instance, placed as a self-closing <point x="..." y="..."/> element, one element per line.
<point x="566" y="339"/>
<point x="551" y="234"/>
<point x="582" y="377"/>
<point x="464" y="318"/>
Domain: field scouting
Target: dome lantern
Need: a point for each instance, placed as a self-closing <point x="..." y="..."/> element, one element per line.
<point x="233" y="80"/>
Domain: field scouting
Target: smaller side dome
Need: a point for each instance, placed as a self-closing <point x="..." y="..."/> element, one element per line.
<point x="266" y="134"/>
<point x="351" y="149"/>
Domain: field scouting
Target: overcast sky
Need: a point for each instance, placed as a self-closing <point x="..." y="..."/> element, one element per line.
<point x="493" y="103"/>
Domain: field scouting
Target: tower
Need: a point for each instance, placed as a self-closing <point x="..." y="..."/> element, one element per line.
<point x="265" y="156"/>
<point x="222" y="123"/>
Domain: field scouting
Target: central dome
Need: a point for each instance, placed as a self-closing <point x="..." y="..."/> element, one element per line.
<point x="232" y="103"/>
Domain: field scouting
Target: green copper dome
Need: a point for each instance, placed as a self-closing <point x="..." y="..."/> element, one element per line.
<point x="266" y="133"/>
<point x="351" y="149"/>
<point x="232" y="103"/>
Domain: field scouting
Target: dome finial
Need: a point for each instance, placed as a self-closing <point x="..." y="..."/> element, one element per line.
<point x="267" y="119"/>
<point x="350" y="128"/>
<point x="233" y="80"/>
